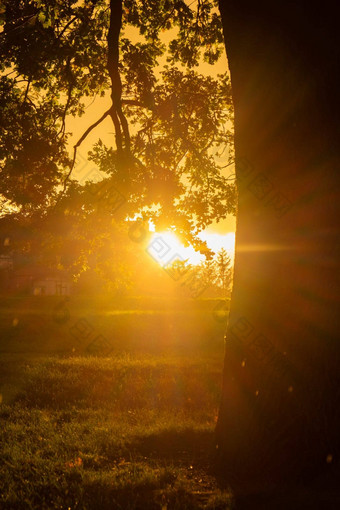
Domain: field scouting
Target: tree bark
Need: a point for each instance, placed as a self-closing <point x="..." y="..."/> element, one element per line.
<point x="280" y="412"/>
<point x="116" y="112"/>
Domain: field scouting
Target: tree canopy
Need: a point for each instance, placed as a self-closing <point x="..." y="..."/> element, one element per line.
<point x="169" y="120"/>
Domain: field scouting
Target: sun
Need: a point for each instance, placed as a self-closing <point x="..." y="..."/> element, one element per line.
<point x="165" y="247"/>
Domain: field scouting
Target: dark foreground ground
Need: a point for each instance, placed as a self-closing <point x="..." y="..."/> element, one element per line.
<point x="109" y="433"/>
<point x="119" y="411"/>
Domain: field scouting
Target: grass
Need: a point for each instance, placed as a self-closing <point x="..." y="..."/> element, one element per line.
<point x="59" y="325"/>
<point x="126" y="432"/>
<point x="132" y="430"/>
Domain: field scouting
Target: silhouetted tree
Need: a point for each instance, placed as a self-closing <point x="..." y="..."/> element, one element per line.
<point x="55" y="54"/>
<point x="224" y="271"/>
<point x="280" y="410"/>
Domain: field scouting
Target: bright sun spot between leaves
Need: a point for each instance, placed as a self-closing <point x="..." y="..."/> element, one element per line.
<point x="165" y="247"/>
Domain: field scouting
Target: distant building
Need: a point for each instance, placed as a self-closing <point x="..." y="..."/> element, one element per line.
<point x="41" y="282"/>
<point x="52" y="286"/>
<point x="6" y="262"/>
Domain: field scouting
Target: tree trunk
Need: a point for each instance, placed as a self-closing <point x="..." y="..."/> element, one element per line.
<point x="280" y="412"/>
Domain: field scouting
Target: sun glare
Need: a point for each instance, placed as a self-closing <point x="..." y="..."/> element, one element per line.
<point x="217" y="241"/>
<point x="165" y="247"/>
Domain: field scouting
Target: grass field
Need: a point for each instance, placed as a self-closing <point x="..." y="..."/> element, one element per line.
<point x="109" y="433"/>
<point x="62" y="325"/>
<point x="130" y="430"/>
<point x="114" y="406"/>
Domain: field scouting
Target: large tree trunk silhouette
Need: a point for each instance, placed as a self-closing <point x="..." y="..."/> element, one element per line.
<point x="280" y="407"/>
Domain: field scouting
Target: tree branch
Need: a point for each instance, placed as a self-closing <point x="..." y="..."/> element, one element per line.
<point x="94" y="125"/>
<point x="116" y="11"/>
<point x="80" y="141"/>
<point x="118" y="131"/>
<point x="69" y="96"/>
<point x="66" y="26"/>
<point x="27" y="90"/>
<point x="115" y="111"/>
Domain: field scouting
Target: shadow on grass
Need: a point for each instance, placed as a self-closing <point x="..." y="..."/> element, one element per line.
<point x="178" y="446"/>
